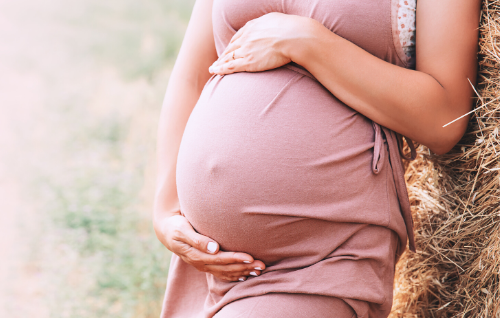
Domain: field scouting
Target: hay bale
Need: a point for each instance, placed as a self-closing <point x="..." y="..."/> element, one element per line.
<point x="456" y="208"/>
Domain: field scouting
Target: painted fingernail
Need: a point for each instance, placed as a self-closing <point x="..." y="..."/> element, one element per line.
<point x="258" y="268"/>
<point x="246" y="262"/>
<point x="211" y="247"/>
<point x="241" y="279"/>
<point x="253" y="273"/>
<point x="211" y="69"/>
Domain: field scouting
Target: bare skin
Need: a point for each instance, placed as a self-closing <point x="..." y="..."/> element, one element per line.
<point x="415" y="103"/>
<point x="189" y="75"/>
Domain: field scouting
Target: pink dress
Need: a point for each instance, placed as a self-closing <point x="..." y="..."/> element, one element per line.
<point x="272" y="164"/>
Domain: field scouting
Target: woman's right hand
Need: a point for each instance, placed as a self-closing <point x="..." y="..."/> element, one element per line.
<point x="203" y="253"/>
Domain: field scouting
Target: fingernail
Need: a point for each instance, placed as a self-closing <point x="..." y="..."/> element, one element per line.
<point x="211" y="69"/>
<point x="241" y="279"/>
<point x="253" y="273"/>
<point x="258" y="268"/>
<point x="211" y="247"/>
<point x="216" y="69"/>
<point x="246" y="262"/>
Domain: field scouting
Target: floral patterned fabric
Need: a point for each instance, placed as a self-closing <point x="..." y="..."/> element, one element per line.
<point x="406" y="27"/>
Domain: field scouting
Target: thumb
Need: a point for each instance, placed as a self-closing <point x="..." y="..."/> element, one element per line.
<point x="202" y="243"/>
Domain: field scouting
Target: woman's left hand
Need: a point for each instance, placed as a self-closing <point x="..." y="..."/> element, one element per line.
<point x="261" y="44"/>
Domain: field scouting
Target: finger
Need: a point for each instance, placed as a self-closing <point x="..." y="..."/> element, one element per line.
<point x="234" y="43"/>
<point x="228" y="58"/>
<point x="237" y="274"/>
<point x="224" y="58"/>
<point x="228" y="277"/>
<point x="253" y="266"/>
<point x="198" y="258"/>
<point x="240" y="32"/>
<point x="258" y="265"/>
<point x="227" y="55"/>
<point x="200" y="242"/>
<point x="225" y="258"/>
<point x="233" y="66"/>
<point x="232" y="278"/>
<point x="233" y="269"/>
<point x="252" y="273"/>
<point x="229" y="48"/>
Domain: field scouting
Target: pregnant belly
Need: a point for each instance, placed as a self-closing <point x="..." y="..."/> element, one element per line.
<point x="269" y="160"/>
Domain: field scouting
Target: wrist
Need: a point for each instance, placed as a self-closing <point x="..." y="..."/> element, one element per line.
<point x="160" y="222"/>
<point x="305" y="38"/>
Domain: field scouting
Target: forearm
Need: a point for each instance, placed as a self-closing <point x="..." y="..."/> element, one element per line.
<point x="409" y="102"/>
<point x="181" y="97"/>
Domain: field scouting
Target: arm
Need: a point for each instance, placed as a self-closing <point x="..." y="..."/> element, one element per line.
<point x="188" y="77"/>
<point x="184" y="88"/>
<point x="414" y="103"/>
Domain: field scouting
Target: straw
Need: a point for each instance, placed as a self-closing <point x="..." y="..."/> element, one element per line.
<point x="455" y="202"/>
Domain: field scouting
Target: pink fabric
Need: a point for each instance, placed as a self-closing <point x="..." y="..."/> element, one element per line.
<point x="272" y="164"/>
<point x="287" y="305"/>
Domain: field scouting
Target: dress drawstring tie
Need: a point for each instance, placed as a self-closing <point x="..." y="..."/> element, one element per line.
<point x="395" y="143"/>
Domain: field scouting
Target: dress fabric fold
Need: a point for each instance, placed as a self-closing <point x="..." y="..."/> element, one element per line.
<point x="274" y="165"/>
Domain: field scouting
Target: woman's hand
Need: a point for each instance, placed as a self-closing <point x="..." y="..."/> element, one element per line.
<point x="203" y="253"/>
<point x="258" y="45"/>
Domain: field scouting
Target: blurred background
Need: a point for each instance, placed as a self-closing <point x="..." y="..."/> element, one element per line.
<point x="81" y="87"/>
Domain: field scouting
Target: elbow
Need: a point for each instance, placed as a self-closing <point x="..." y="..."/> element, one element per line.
<point x="157" y="228"/>
<point x="443" y="144"/>
<point x="157" y="219"/>
<point x="442" y="149"/>
<point x="446" y="138"/>
<point x="444" y="123"/>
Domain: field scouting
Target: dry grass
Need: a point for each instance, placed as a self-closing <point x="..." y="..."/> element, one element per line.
<point x="456" y="207"/>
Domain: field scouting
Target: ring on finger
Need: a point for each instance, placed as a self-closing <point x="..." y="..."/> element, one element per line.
<point x="236" y="57"/>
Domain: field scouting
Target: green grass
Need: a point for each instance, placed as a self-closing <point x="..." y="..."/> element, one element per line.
<point x="95" y="205"/>
<point x="138" y="37"/>
<point x="93" y="183"/>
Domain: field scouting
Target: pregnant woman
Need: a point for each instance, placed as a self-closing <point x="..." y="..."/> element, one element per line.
<point x="280" y="181"/>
